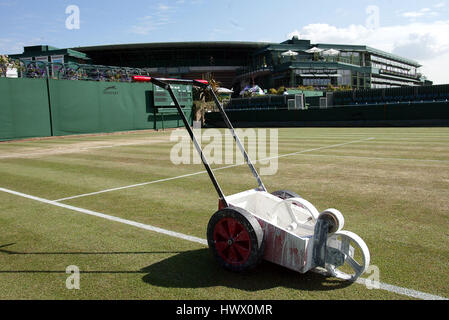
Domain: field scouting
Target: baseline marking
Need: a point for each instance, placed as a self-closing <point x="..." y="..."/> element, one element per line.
<point x="202" y="172"/>
<point x="386" y="287"/>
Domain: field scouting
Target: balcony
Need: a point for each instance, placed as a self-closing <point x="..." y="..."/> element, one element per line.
<point x="398" y="74"/>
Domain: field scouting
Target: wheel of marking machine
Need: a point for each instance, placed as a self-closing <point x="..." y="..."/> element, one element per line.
<point x="304" y="213"/>
<point x="334" y="218"/>
<point x="354" y="252"/>
<point x="285" y="194"/>
<point x="235" y="239"/>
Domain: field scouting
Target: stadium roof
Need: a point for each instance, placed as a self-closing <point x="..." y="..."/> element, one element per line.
<point x="174" y="45"/>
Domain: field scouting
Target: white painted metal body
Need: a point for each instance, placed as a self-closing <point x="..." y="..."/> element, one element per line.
<point x="291" y="249"/>
<point x="289" y="234"/>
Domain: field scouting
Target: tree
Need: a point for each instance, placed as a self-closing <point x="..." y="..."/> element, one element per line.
<point x="203" y="99"/>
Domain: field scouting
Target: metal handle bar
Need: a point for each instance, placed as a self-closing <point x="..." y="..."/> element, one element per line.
<point x="165" y="84"/>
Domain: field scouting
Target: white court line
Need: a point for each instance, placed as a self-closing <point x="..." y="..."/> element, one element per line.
<point x="130" y="186"/>
<point x="108" y="217"/>
<point x="382" y="286"/>
<point x="201" y="172"/>
<point x="377" y="158"/>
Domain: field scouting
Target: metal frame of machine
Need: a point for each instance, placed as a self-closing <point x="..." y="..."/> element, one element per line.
<point x="280" y="227"/>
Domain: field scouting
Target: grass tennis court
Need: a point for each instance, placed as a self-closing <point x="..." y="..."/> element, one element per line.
<point x="392" y="190"/>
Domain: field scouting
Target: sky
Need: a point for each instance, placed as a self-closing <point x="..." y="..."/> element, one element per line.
<point x="415" y="29"/>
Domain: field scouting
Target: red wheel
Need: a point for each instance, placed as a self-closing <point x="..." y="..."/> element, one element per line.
<point x="235" y="239"/>
<point x="232" y="241"/>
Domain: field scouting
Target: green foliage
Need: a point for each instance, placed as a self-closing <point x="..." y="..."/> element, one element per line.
<point x="205" y="95"/>
<point x="344" y="88"/>
<point x="247" y="94"/>
<point x="6" y="62"/>
<point x="281" y="90"/>
<point x="306" y="88"/>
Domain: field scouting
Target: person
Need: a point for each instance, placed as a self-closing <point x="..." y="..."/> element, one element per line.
<point x="285" y="92"/>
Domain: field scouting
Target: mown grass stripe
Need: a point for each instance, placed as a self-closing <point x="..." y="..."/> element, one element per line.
<point x="218" y="169"/>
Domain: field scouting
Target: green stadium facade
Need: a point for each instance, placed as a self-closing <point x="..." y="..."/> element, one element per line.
<point x="239" y="64"/>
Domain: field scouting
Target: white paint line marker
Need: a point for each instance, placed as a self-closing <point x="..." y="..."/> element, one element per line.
<point x="108" y="217"/>
<point x="382" y="286"/>
<point x="202" y="172"/>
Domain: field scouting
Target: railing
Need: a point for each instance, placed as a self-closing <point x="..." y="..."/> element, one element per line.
<point x="330" y="59"/>
<point x="289" y="60"/>
<point x="248" y="71"/>
<point x="74" y="71"/>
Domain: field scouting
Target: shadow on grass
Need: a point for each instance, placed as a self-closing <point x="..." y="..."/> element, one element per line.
<point x="197" y="269"/>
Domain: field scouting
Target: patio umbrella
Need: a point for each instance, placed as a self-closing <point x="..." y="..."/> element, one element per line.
<point x="224" y="90"/>
<point x="314" y="50"/>
<point x="331" y="52"/>
<point x="289" y="53"/>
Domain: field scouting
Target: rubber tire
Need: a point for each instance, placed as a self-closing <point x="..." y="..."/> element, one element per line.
<point x="285" y="194"/>
<point x="256" y="235"/>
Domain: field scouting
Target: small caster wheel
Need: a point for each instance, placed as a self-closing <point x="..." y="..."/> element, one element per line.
<point x="334" y="218"/>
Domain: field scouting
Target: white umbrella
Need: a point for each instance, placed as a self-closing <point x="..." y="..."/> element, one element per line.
<point x="289" y="53"/>
<point x="314" y="50"/>
<point x="331" y="52"/>
<point x="224" y="90"/>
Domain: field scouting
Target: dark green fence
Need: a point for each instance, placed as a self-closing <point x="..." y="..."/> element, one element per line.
<point x="393" y="95"/>
<point x="24" y="109"/>
<point x="430" y="113"/>
<point x="42" y="108"/>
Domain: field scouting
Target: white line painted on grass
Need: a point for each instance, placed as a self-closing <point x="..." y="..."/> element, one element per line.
<point x="108" y="217"/>
<point x="317" y="149"/>
<point x="402" y="291"/>
<point x="383" y="286"/>
<point x="377" y="158"/>
<point x="130" y="186"/>
<point x="202" y="172"/>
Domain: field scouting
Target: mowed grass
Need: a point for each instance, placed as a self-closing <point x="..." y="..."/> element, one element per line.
<point x="392" y="190"/>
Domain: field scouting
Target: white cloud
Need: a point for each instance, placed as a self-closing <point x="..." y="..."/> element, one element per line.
<point x="144" y="27"/>
<point x="15" y="46"/>
<point x="425" y="42"/>
<point x="149" y="23"/>
<point x="159" y="17"/>
<point x="420" y="13"/>
<point x="163" y="7"/>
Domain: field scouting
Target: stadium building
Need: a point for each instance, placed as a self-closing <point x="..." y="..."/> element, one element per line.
<point x="236" y="65"/>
